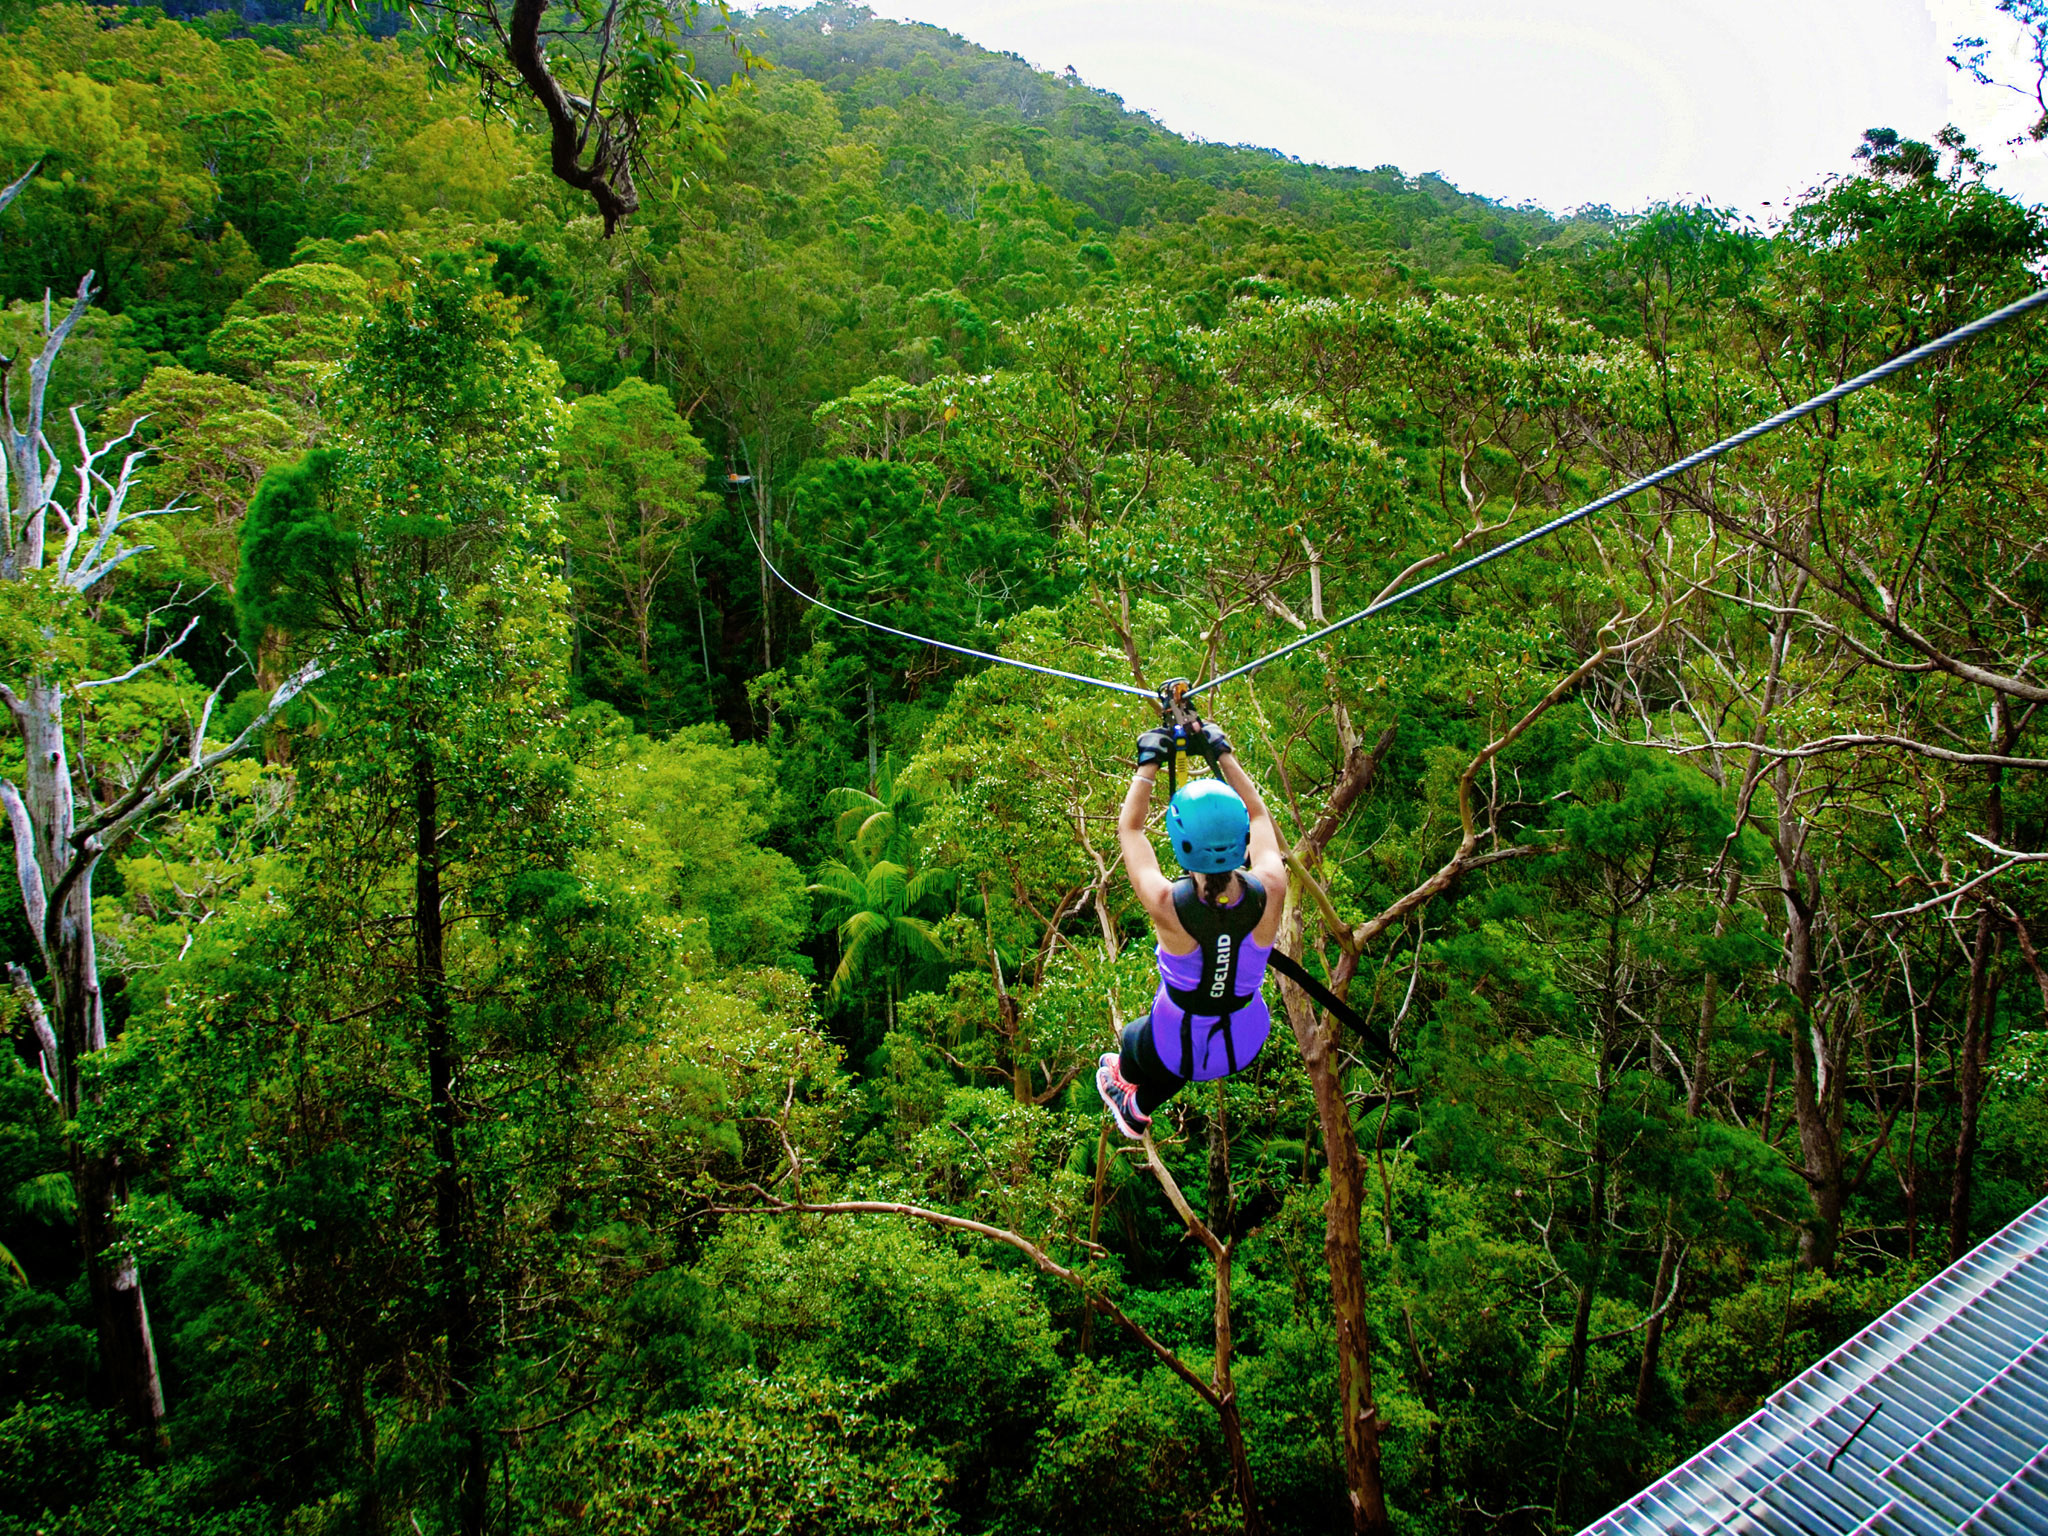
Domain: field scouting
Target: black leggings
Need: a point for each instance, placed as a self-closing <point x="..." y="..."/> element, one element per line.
<point x="1142" y="1068"/>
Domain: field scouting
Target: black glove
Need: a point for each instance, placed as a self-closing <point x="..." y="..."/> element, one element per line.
<point x="1155" y="746"/>
<point x="1208" y="742"/>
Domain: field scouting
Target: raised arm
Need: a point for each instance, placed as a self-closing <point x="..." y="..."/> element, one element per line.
<point x="1154" y="892"/>
<point x="1153" y="889"/>
<point x="1262" y="846"/>
<point x="1263" y="850"/>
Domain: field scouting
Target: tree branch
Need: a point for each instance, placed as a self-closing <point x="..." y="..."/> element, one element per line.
<point x="287" y="690"/>
<point x="1827" y="744"/>
<point x="2012" y="860"/>
<point x="28" y="870"/>
<point x="1023" y="1245"/>
<point x="1466" y="857"/>
<point x="39" y="1021"/>
<point x="609" y="177"/>
<point x="145" y="664"/>
<point x="13" y="189"/>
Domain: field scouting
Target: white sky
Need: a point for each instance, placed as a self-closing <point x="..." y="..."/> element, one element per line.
<point x="1557" y="102"/>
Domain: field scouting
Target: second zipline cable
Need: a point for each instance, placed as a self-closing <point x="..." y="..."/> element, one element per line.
<point x="943" y="645"/>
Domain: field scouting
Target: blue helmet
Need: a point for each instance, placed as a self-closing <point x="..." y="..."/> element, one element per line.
<point x="1208" y="827"/>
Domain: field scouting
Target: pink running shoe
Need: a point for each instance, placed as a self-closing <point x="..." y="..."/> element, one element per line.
<point x="1122" y="1099"/>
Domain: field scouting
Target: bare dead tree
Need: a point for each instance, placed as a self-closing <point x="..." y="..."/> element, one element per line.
<point x="56" y="555"/>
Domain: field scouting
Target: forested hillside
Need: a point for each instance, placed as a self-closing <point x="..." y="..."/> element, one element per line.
<point x="522" y="1023"/>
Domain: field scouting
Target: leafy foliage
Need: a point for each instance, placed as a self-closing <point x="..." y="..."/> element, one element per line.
<point x="600" y="897"/>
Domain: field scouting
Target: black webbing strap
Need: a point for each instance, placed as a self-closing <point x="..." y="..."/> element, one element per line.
<point x="1325" y="998"/>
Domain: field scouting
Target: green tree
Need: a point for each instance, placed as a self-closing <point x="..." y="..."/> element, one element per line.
<point x="873" y="905"/>
<point x="211" y="441"/>
<point x="285" y="334"/>
<point x="417" y="555"/>
<point x="632" y="481"/>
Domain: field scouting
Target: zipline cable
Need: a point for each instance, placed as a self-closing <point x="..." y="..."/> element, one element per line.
<point x="958" y="650"/>
<point x="1819" y="402"/>
<point x="1727" y="445"/>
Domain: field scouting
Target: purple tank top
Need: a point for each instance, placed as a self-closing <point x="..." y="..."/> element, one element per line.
<point x="1184" y="972"/>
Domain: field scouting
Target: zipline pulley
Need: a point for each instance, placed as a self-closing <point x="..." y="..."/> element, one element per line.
<point x="1177" y="715"/>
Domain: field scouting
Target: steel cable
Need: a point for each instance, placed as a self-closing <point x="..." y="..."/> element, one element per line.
<point x="1727" y="445"/>
<point x="958" y="650"/>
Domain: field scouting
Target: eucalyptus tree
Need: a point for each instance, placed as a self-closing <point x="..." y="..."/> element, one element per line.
<point x="632" y="475"/>
<point x="1855" y="651"/>
<point x="66" y="528"/>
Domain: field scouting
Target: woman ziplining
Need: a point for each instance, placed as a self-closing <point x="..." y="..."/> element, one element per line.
<point x="1215" y="925"/>
<point x="1215" y="933"/>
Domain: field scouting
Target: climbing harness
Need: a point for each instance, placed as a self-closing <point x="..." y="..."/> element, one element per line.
<point x="1175" y="699"/>
<point x="1221" y="932"/>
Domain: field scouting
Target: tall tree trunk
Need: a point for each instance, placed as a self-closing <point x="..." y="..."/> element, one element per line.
<point x="1695" y="1095"/>
<point x="127" y="1351"/>
<point x="703" y="638"/>
<point x="1970" y="1064"/>
<point x="1226" y="1391"/>
<point x="1815" y="1093"/>
<point x="457" y="1290"/>
<point x="1595" y="1230"/>
<point x="1095" y="1233"/>
<point x="761" y="503"/>
<point x="1976" y="1049"/>
<point x="1358" y="1412"/>
<point x="55" y="875"/>
<point x="1222" y="1206"/>
<point x="1582" y="1318"/>
<point x="1357" y="1409"/>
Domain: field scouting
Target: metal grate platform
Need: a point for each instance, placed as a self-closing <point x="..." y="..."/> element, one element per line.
<point x="1933" y="1421"/>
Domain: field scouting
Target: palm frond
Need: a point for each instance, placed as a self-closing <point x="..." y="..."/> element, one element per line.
<point x="863" y="927"/>
<point x="840" y="883"/>
<point x="887" y="884"/>
<point x="917" y="937"/>
<point x="874" y="835"/>
<point x="847" y="798"/>
<point x="937" y="881"/>
<point x="860" y="934"/>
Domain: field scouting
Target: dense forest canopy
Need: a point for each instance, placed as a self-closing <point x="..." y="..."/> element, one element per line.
<point x="521" y="1023"/>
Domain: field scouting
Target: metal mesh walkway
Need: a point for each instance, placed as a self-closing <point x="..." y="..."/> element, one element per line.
<point x="1933" y="1421"/>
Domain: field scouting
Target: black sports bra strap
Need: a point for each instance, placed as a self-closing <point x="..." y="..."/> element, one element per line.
<point x="1203" y="922"/>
